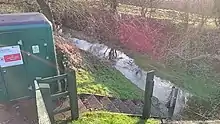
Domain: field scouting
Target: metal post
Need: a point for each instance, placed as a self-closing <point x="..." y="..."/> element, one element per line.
<point x="148" y="94"/>
<point x="172" y="105"/>
<point x="71" y="80"/>
<point x="46" y="94"/>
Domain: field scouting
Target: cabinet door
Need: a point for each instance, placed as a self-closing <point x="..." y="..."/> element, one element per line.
<point x="14" y="70"/>
<point x="41" y="60"/>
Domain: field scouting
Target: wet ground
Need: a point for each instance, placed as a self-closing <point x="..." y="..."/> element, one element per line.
<point x="19" y="112"/>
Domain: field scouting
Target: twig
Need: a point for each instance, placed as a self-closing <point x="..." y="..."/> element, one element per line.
<point x="214" y="108"/>
<point x="198" y="114"/>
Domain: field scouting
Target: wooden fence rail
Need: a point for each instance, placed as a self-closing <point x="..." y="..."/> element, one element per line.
<point x="44" y="84"/>
<point x="43" y="116"/>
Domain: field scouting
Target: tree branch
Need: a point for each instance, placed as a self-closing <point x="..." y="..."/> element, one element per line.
<point x="46" y="10"/>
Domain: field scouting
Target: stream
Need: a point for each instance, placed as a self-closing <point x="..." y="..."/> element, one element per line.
<point x="128" y="68"/>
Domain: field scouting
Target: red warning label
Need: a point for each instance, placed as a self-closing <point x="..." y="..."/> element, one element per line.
<point x="12" y="57"/>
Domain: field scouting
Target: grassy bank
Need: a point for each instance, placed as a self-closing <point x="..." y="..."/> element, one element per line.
<point x="102" y="79"/>
<point x="205" y="102"/>
<point x="110" y="118"/>
<point x="200" y="86"/>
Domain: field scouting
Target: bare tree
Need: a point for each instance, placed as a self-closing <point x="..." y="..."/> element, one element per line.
<point x="114" y="5"/>
<point x="186" y="15"/>
<point x="46" y="10"/>
<point x="149" y="6"/>
<point x="144" y="7"/>
<point x="216" y="11"/>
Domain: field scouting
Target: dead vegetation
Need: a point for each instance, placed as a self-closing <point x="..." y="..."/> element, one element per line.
<point x="69" y="56"/>
<point x="67" y="53"/>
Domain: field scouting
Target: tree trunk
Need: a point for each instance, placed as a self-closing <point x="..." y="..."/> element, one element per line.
<point x="186" y="15"/>
<point x="114" y="5"/>
<point x="46" y="10"/>
<point x="143" y="11"/>
<point x="151" y="6"/>
<point x="203" y="21"/>
<point x="217" y="21"/>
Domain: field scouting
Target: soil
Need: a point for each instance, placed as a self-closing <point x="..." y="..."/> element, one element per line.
<point x="119" y="104"/>
<point x="108" y="105"/>
<point x="19" y="112"/>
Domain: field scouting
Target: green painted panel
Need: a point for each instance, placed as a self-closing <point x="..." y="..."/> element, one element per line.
<point x="3" y="91"/>
<point x="15" y="77"/>
<point x="39" y="58"/>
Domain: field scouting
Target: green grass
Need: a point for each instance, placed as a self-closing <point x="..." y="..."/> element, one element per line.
<point x="202" y="86"/>
<point x="105" y="80"/>
<point x="110" y="118"/>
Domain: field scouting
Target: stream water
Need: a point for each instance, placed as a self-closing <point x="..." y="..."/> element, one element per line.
<point x="128" y="68"/>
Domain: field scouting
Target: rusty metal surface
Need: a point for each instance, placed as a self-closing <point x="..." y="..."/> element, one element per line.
<point x="19" y="112"/>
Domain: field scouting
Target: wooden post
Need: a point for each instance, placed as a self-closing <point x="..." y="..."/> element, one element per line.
<point x="46" y="94"/>
<point x="172" y="105"/>
<point x="148" y="94"/>
<point x="71" y="80"/>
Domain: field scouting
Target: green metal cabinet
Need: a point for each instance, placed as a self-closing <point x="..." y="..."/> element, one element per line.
<point x="31" y="33"/>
